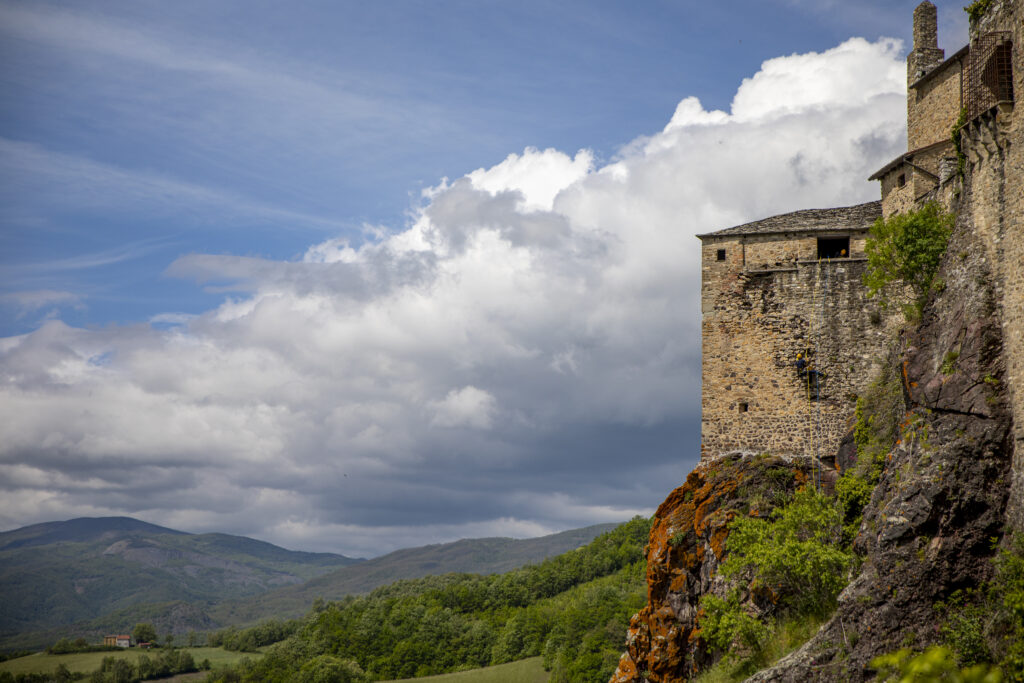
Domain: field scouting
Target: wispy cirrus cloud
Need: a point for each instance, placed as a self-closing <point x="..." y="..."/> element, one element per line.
<point x="68" y="180"/>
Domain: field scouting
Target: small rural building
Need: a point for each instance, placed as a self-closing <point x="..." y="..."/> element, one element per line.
<point x="118" y="640"/>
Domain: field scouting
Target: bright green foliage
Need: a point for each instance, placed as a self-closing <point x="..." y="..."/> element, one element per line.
<point x="906" y="248"/>
<point x="1008" y="590"/>
<point x="573" y="609"/>
<point x="935" y="664"/>
<point x="782" y="637"/>
<point x="987" y="624"/>
<point x="251" y="639"/>
<point x="799" y="555"/>
<point x="726" y="624"/>
<point x="954" y="134"/>
<point x="853" y="493"/>
<point x="328" y="669"/>
<point x="965" y="620"/>
<point x="977" y="9"/>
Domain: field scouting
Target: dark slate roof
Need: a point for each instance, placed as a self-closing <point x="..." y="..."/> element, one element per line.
<point x="907" y="156"/>
<point x="859" y="217"/>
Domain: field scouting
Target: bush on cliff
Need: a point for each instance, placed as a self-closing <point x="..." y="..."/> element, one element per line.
<point x="876" y="429"/>
<point x="935" y="665"/>
<point x="906" y="249"/>
<point x="798" y="559"/>
<point x="987" y="625"/>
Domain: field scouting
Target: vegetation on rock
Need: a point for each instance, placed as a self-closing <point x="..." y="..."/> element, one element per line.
<point x="906" y="249"/>
<point x="986" y="625"/>
<point x="976" y="10"/>
<point x="935" y="665"/>
<point x="794" y="564"/>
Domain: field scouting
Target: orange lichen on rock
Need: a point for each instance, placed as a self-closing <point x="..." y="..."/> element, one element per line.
<point x="688" y="541"/>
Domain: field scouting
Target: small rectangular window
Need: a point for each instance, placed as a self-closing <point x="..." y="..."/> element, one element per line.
<point x="721" y="254"/>
<point x="833" y="247"/>
<point x="743" y="407"/>
<point x="902" y="180"/>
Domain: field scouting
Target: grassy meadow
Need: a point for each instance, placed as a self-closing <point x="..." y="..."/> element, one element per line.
<point x="524" y="671"/>
<point x="86" y="662"/>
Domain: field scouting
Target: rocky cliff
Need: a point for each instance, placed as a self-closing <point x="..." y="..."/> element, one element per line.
<point x="952" y="486"/>
<point x="687" y="544"/>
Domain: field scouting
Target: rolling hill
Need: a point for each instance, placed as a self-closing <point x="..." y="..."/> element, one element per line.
<point x="58" y="573"/>
<point x="87" y="576"/>
<point x="477" y="556"/>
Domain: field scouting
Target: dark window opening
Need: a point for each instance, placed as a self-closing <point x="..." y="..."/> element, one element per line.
<point x="902" y="180"/>
<point x="721" y="254"/>
<point x="743" y="407"/>
<point x="833" y="247"/>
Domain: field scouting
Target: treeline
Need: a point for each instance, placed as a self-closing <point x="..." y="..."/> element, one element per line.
<point x="117" y="670"/>
<point x="251" y="639"/>
<point x="572" y="609"/>
<point x="66" y="646"/>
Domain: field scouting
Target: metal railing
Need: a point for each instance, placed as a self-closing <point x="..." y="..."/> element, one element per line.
<point x="988" y="78"/>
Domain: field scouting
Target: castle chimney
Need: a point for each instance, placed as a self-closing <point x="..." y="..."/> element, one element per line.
<point x="926" y="54"/>
<point x="926" y="23"/>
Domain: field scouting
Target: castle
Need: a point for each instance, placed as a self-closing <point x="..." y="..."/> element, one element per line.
<point x="789" y="338"/>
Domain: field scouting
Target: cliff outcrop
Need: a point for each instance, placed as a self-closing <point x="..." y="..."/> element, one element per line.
<point x="951" y="489"/>
<point x="687" y="544"/>
<point x="941" y="503"/>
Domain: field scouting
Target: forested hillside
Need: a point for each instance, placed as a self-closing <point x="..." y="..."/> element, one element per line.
<point x="572" y="609"/>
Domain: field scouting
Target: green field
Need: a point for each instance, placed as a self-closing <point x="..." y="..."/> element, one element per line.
<point x="523" y="671"/>
<point x="86" y="662"/>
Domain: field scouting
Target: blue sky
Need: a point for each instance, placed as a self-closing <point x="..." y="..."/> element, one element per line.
<point x="241" y="237"/>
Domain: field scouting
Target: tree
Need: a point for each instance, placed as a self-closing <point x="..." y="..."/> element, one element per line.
<point x="907" y="248"/>
<point x="144" y="633"/>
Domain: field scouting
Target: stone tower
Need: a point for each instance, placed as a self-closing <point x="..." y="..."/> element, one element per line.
<point x="926" y="54"/>
<point x="774" y="290"/>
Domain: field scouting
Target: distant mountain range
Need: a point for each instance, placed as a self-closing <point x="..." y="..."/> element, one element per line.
<point x="89" y="575"/>
<point x="58" y="573"/>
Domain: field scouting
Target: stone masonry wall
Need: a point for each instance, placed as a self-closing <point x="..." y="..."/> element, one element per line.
<point x="933" y="107"/>
<point x="897" y="199"/>
<point x="994" y="199"/>
<point x="757" y="318"/>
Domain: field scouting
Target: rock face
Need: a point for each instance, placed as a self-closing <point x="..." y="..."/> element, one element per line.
<point x="942" y="498"/>
<point x="927" y="532"/>
<point x="687" y="544"/>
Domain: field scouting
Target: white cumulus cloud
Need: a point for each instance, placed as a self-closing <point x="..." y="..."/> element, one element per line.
<point x="531" y="335"/>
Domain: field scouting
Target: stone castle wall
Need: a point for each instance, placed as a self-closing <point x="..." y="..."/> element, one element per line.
<point x="767" y="302"/>
<point x="934" y="105"/>
<point x="994" y="201"/>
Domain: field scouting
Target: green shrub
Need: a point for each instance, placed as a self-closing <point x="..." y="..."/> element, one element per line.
<point x="965" y="620"/>
<point x="799" y="555"/>
<point x="1008" y="592"/>
<point x="934" y="665"/>
<point x="906" y="249"/>
<point x="976" y="10"/>
<point x="726" y="624"/>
